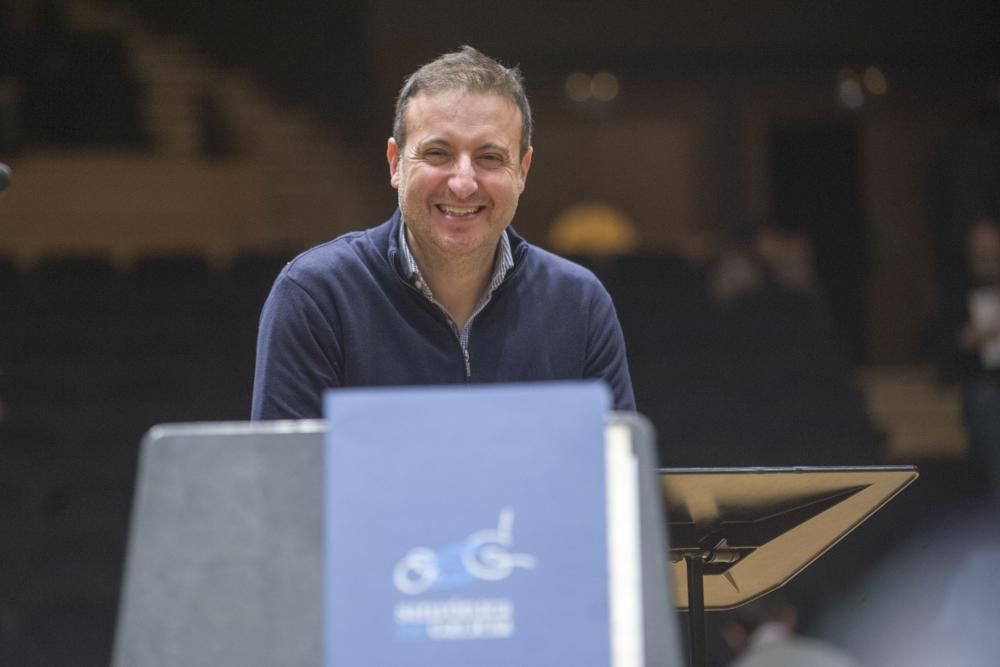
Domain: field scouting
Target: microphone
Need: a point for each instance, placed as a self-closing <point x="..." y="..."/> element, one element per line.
<point x="4" y="178"/>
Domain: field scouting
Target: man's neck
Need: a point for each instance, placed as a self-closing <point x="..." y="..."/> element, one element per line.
<point x="457" y="284"/>
<point x="458" y="292"/>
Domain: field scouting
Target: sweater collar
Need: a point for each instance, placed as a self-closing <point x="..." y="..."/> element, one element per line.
<point x="503" y="261"/>
<point x="387" y="237"/>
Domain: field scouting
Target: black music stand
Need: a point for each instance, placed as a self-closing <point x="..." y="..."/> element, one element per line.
<point x="739" y="533"/>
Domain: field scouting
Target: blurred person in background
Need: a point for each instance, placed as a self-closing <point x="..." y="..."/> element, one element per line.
<point x="789" y="258"/>
<point x="978" y="340"/>
<point x="964" y="335"/>
<point x="763" y="257"/>
<point x="963" y="186"/>
<point x="762" y="633"/>
<point x="780" y="368"/>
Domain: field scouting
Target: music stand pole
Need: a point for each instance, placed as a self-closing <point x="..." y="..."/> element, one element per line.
<point x="696" y="609"/>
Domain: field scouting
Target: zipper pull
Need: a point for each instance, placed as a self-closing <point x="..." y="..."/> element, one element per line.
<point x="468" y="366"/>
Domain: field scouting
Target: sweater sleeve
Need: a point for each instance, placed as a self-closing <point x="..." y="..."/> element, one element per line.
<point x="606" y="359"/>
<point x="298" y="352"/>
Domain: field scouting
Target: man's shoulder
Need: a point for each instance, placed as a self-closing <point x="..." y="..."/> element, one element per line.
<point x="541" y="263"/>
<point x="339" y="256"/>
<point x="330" y="253"/>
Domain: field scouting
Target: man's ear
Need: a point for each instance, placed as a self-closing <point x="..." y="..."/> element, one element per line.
<point x="525" y="166"/>
<point x="392" y="155"/>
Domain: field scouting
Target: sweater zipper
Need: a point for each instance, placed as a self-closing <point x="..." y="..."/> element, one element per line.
<point x="451" y="326"/>
<point x="465" y="350"/>
<point x="458" y="339"/>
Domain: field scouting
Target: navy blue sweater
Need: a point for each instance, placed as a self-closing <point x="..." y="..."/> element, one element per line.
<point x="343" y="315"/>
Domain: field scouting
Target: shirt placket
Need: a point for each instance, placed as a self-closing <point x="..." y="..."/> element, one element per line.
<point x="503" y="263"/>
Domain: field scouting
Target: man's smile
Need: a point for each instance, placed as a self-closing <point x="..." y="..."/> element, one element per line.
<point x="459" y="212"/>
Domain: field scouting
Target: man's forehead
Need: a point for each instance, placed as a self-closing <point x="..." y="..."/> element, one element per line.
<point x="449" y="105"/>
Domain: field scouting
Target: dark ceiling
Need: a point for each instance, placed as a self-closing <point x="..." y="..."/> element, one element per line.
<point x="349" y="56"/>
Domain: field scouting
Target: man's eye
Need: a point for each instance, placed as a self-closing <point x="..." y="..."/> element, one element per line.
<point x="492" y="159"/>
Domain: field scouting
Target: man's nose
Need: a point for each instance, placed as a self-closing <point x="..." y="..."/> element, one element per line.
<point x="463" y="181"/>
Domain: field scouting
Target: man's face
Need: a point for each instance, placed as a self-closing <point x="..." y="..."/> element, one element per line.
<point x="460" y="174"/>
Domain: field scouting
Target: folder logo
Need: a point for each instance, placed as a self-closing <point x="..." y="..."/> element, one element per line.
<point x="485" y="555"/>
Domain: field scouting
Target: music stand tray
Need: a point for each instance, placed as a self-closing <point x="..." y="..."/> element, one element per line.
<point x="739" y="533"/>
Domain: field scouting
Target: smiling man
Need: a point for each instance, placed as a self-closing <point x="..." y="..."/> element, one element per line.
<point x="444" y="291"/>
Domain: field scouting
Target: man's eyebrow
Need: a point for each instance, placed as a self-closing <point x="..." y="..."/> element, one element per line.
<point x="441" y="141"/>
<point x="432" y="141"/>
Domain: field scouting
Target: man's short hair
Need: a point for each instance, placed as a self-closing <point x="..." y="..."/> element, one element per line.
<point x="466" y="70"/>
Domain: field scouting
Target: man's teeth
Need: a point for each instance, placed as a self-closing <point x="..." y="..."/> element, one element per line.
<point x="449" y="210"/>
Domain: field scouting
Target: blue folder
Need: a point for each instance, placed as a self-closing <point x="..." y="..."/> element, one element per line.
<point x="466" y="526"/>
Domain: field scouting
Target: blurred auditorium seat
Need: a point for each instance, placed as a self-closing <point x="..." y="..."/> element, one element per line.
<point x="169" y="278"/>
<point x="174" y="298"/>
<point x="247" y="284"/>
<point x="251" y="275"/>
<point x="8" y="274"/>
<point x="65" y="631"/>
<point x="70" y="307"/>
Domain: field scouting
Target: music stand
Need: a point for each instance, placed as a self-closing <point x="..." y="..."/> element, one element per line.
<point x="739" y="533"/>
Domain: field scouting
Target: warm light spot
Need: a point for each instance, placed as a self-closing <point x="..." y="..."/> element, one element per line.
<point x="593" y="228"/>
<point x="875" y="81"/>
<point x="604" y="86"/>
<point x="578" y="86"/>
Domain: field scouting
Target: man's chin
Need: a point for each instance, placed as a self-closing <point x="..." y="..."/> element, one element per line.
<point x="466" y="244"/>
